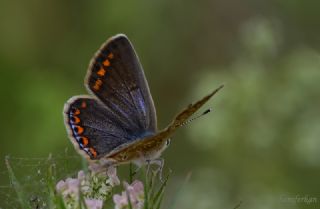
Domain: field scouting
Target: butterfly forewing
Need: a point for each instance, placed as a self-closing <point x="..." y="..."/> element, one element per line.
<point x="116" y="77"/>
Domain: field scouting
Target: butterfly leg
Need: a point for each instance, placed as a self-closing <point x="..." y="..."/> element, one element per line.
<point x="160" y="163"/>
<point x="149" y="162"/>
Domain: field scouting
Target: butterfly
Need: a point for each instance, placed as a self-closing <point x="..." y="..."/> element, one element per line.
<point x="117" y="122"/>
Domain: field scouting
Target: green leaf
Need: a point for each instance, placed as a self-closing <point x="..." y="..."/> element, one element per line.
<point x="152" y="184"/>
<point x="160" y="201"/>
<point x="146" y="191"/>
<point x="84" y="164"/>
<point x="131" y="173"/>
<point x="158" y="197"/>
<point x="59" y="202"/>
<point x="52" y="198"/>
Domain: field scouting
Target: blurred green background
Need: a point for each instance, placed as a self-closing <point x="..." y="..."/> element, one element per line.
<point x="260" y="145"/>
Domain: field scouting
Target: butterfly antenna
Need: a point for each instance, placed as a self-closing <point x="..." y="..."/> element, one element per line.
<point x="198" y="116"/>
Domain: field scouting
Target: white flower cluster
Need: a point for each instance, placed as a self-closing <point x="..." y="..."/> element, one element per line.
<point x="95" y="186"/>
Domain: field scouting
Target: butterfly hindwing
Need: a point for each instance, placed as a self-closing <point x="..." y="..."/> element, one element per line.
<point x="116" y="77"/>
<point x="94" y="129"/>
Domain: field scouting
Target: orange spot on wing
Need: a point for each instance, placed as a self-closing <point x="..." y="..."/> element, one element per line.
<point x="79" y="129"/>
<point x="76" y="112"/>
<point x="111" y="56"/>
<point x="93" y="152"/>
<point x="75" y="120"/>
<point x="101" y="72"/>
<point x="106" y="63"/>
<point x="97" y="84"/>
<point x="83" y="104"/>
<point x="85" y="141"/>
